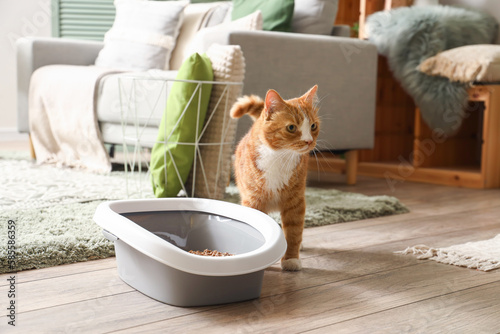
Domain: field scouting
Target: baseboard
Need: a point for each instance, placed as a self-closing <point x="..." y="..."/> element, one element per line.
<point x="11" y="134"/>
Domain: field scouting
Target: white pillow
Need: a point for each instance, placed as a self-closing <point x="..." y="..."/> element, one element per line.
<point x="196" y="16"/>
<point x="143" y="34"/>
<point x="218" y="34"/>
<point x="314" y="16"/>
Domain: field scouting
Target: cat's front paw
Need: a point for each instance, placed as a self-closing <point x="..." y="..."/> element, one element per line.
<point x="291" y="264"/>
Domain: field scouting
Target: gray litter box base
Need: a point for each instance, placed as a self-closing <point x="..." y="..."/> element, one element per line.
<point x="178" y="288"/>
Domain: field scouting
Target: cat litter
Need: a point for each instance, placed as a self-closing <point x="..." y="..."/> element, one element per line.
<point x="208" y="252"/>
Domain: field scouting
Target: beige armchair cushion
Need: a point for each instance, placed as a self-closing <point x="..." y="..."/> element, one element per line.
<point x="470" y="63"/>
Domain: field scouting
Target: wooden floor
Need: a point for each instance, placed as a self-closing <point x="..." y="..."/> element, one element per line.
<point x="352" y="281"/>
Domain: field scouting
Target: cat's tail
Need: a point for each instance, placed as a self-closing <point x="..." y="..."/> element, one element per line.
<point x="251" y="105"/>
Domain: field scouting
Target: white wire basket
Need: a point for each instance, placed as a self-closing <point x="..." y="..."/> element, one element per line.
<point x="143" y="102"/>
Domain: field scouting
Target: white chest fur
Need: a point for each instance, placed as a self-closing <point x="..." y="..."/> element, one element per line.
<point x="278" y="166"/>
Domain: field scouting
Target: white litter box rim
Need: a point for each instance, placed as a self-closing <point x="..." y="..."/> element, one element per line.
<point x="108" y="216"/>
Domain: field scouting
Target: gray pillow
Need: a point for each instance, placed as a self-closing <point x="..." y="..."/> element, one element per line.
<point x="314" y="16"/>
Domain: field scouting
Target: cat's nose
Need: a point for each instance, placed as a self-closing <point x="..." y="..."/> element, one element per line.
<point x="308" y="142"/>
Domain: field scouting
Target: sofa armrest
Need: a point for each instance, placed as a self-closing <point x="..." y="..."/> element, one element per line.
<point x="345" y="70"/>
<point x="32" y="53"/>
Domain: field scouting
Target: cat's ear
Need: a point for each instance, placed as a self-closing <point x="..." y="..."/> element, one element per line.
<point x="273" y="102"/>
<point x="310" y="96"/>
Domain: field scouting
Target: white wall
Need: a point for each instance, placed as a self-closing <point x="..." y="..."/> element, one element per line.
<point x="17" y="19"/>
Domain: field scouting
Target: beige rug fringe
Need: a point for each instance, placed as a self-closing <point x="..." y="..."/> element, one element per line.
<point x="481" y="255"/>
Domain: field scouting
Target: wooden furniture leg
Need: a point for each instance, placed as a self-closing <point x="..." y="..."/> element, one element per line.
<point x="351" y="160"/>
<point x="32" y="149"/>
<point x="490" y="159"/>
<point x="391" y="4"/>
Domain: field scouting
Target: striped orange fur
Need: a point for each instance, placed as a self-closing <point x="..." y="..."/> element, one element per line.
<point x="271" y="160"/>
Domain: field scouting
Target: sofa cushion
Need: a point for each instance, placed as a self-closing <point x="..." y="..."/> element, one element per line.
<point x="139" y="96"/>
<point x="466" y="63"/>
<point x="143" y="34"/>
<point x="276" y="15"/>
<point x="196" y="17"/>
<point x="220" y="13"/>
<point x="113" y="133"/>
<point x="314" y="16"/>
<point x="219" y="34"/>
<point x="182" y="122"/>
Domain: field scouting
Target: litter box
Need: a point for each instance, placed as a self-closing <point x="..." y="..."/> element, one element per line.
<point x="153" y="238"/>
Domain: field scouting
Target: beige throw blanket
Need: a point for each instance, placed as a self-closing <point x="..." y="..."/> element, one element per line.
<point x="62" y="117"/>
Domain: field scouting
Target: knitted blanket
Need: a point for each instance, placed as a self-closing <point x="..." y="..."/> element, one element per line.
<point x="409" y="35"/>
<point x="63" y="121"/>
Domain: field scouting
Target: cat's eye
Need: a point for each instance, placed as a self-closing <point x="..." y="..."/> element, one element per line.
<point x="291" y="128"/>
<point x="314" y="126"/>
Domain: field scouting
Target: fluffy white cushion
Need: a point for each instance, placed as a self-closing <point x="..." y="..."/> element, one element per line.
<point x="466" y="63"/>
<point x="218" y="34"/>
<point x="314" y="16"/>
<point x="143" y="34"/>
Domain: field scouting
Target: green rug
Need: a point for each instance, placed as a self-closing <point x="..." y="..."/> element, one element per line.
<point x="52" y="208"/>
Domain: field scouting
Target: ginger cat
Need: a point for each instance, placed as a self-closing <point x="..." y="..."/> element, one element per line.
<point x="271" y="160"/>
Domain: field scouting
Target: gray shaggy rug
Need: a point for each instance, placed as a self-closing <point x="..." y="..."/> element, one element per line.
<point x="409" y="35"/>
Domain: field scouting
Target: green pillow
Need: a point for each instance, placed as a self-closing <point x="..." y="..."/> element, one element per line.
<point x="178" y="125"/>
<point x="276" y="14"/>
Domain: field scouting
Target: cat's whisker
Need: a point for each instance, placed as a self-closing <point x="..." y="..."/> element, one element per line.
<point x="318" y="151"/>
<point x="285" y="163"/>
<point x="322" y="144"/>
<point x="323" y="141"/>
<point x="316" y="157"/>
<point x="323" y="155"/>
<point x="319" y="99"/>
<point x="279" y="157"/>
<point x="323" y="117"/>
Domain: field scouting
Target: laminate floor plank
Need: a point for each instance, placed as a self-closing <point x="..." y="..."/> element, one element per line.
<point x="100" y="278"/>
<point x="67" y="289"/>
<point x="319" y="306"/>
<point x="352" y="281"/>
<point x="361" y="234"/>
<point x="134" y="309"/>
<point x="62" y="270"/>
<point x="100" y="315"/>
<point x="474" y="310"/>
